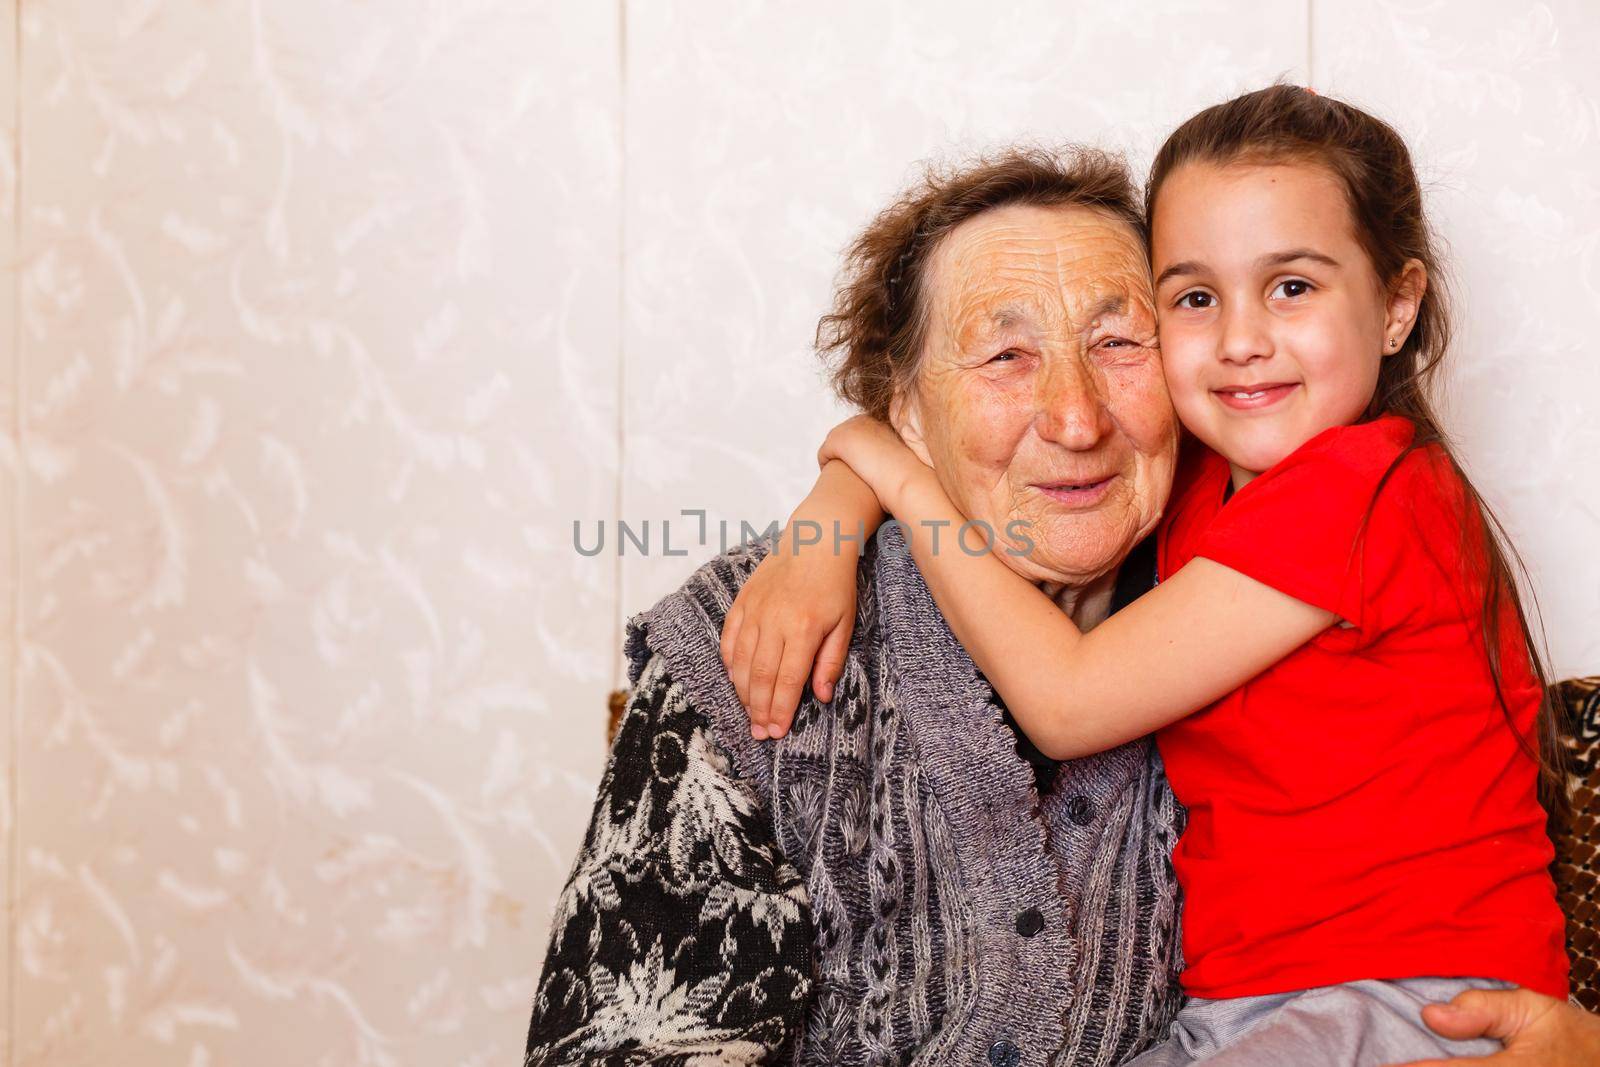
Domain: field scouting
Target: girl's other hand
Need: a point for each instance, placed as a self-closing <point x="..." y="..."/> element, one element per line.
<point x="874" y="451"/>
<point x="795" y="603"/>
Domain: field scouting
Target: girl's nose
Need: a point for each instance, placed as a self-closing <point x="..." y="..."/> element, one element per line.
<point x="1069" y="408"/>
<point x="1245" y="337"/>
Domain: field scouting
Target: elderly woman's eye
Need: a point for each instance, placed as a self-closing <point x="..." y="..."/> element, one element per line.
<point x="1197" y="299"/>
<point x="1292" y="287"/>
<point x="1008" y="356"/>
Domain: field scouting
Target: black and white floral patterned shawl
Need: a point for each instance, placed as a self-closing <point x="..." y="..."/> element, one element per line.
<point x="884" y="885"/>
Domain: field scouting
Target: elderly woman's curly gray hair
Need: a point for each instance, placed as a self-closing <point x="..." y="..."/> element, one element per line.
<point x="872" y="339"/>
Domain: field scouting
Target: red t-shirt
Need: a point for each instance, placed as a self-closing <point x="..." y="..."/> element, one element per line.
<point x="1361" y="809"/>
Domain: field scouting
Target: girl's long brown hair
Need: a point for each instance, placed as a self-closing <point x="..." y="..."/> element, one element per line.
<point x="1289" y="124"/>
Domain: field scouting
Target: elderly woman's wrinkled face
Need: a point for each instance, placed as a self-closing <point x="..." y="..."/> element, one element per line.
<point x="1039" y="396"/>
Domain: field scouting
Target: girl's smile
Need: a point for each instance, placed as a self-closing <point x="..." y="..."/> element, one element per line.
<point x="1254" y="397"/>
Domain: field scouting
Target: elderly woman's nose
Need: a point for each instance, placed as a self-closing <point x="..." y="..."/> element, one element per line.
<point x="1069" y="407"/>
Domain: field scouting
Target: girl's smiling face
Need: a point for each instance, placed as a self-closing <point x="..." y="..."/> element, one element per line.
<point x="1273" y="321"/>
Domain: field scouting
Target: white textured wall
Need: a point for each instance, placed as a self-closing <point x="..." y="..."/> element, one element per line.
<point x="323" y="322"/>
<point x="317" y="340"/>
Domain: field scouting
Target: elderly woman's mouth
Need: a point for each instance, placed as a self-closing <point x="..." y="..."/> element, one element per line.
<point x="1078" y="494"/>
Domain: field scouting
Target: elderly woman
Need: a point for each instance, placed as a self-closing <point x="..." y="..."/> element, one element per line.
<point x="901" y="876"/>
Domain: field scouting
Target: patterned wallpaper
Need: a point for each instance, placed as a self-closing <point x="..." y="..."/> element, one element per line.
<point x="326" y="321"/>
<point x="318" y="351"/>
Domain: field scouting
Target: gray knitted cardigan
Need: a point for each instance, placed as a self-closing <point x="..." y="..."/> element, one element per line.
<point x="884" y="885"/>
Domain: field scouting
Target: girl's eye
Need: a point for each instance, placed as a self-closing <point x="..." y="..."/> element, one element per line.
<point x="1196" y="299"/>
<point x="1293" y="287"/>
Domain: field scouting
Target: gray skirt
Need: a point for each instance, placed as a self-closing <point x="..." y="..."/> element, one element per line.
<point x="1357" y="1024"/>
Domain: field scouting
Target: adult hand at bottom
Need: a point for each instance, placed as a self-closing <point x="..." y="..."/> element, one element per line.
<point x="1536" y="1029"/>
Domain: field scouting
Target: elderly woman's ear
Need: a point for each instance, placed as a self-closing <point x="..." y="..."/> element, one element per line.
<point x="905" y="415"/>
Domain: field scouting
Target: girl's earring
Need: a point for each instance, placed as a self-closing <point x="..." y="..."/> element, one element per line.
<point x="1393" y="343"/>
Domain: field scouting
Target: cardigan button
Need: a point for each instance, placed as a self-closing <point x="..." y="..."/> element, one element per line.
<point x="1030" y="922"/>
<point x="1080" y="810"/>
<point x="1004" y="1054"/>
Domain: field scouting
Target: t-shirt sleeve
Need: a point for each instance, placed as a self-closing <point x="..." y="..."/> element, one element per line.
<point x="1299" y="526"/>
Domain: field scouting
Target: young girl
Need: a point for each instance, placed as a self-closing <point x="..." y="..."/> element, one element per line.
<point x="1335" y="662"/>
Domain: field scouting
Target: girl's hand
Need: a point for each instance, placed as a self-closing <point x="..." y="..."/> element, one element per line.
<point x="795" y="603"/>
<point x="875" y="452"/>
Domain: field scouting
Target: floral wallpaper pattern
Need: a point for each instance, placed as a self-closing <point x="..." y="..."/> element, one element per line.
<point x="325" y="322"/>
